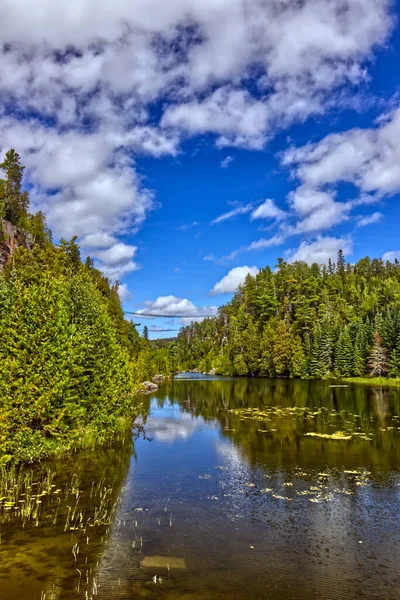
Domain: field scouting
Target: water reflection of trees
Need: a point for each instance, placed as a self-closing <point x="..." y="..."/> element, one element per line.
<point x="365" y="412"/>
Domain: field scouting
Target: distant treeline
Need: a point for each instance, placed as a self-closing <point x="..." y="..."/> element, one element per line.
<point x="69" y="361"/>
<point x="339" y="320"/>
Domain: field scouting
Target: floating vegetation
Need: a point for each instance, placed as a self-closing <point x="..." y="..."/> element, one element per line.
<point x="278" y="497"/>
<point x="338" y="435"/>
<point x="269" y="412"/>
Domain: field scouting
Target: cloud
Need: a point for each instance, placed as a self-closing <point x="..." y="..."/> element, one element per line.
<point x="232" y="280"/>
<point x="116" y="261"/>
<point x="123" y="292"/>
<point x="227" y="161"/>
<point x="316" y="210"/>
<point x="171" y="306"/>
<point x="233" y="115"/>
<point x="116" y="272"/>
<point x="187" y="226"/>
<point x="370" y="219"/>
<point x="83" y="182"/>
<point x="240" y="210"/>
<point x="98" y="240"/>
<point x="368" y="158"/>
<point x="83" y="83"/>
<point x="275" y="240"/>
<point x="169" y="430"/>
<point x="321" y="250"/>
<point x="391" y="256"/>
<point x="268" y="210"/>
<point x="117" y="254"/>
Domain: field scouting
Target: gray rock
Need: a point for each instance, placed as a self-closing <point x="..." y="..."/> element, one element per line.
<point x="149" y="386"/>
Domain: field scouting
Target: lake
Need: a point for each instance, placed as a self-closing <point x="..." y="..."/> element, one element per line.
<point x="233" y="489"/>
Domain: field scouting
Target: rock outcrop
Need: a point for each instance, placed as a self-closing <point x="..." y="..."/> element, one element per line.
<point x="149" y="386"/>
<point x="11" y="238"/>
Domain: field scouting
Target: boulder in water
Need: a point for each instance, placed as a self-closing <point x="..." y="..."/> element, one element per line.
<point x="149" y="386"/>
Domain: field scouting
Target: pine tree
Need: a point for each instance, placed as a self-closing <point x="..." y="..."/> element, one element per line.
<point x="344" y="363"/>
<point x="321" y="351"/>
<point x="341" y="263"/>
<point x="145" y="332"/>
<point x="297" y="363"/>
<point x="72" y="251"/>
<point x="15" y="203"/>
<point x="394" y="361"/>
<point x="89" y="263"/>
<point x="378" y="361"/>
<point x="362" y="349"/>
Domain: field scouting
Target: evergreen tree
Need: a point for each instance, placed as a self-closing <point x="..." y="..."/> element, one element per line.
<point x="362" y="348"/>
<point x="15" y="203"/>
<point x="89" y="263"/>
<point x="331" y="267"/>
<point x="321" y="351"/>
<point x="71" y="251"/>
<point x="341" y="263"/>
<point x="38" y="229"/>
<point x="344" y="363"/>
<point x="145" y="333"/>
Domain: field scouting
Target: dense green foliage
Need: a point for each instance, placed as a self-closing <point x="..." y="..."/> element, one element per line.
<point x="339" y="320"/>
<point x="69" y="361"/>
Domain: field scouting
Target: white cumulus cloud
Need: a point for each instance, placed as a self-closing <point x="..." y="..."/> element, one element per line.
<point x="392" y="255"/>
<point x="83" y="77"/>
<point x="321" y="250"/>
<point x="268" y="210"/>
<point x="172" y="306"/>
<point x="368" y="158"/>
<point x="233" y="279"/>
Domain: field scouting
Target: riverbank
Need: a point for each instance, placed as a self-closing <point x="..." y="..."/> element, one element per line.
<point x="34" y="447"/>
<point x="374" y="381"/>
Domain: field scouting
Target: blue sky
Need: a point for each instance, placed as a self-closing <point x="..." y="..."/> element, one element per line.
<point x="189" y="144"/>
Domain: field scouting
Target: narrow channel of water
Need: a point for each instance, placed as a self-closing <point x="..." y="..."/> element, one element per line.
<point x="239" y="489"/>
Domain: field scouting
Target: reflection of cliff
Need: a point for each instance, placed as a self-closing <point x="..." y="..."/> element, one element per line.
<point x="293" y="408"/>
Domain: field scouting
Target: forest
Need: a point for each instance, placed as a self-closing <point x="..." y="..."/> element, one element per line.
<point x="69" y="361"/>
<point x="341" y="320"/>
<point x="71" y="364"/>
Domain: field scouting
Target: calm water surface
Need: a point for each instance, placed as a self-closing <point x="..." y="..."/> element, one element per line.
<point x="228" y="479"/>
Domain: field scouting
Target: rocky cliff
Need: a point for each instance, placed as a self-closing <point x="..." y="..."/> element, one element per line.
<point x="11" y="238"/>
